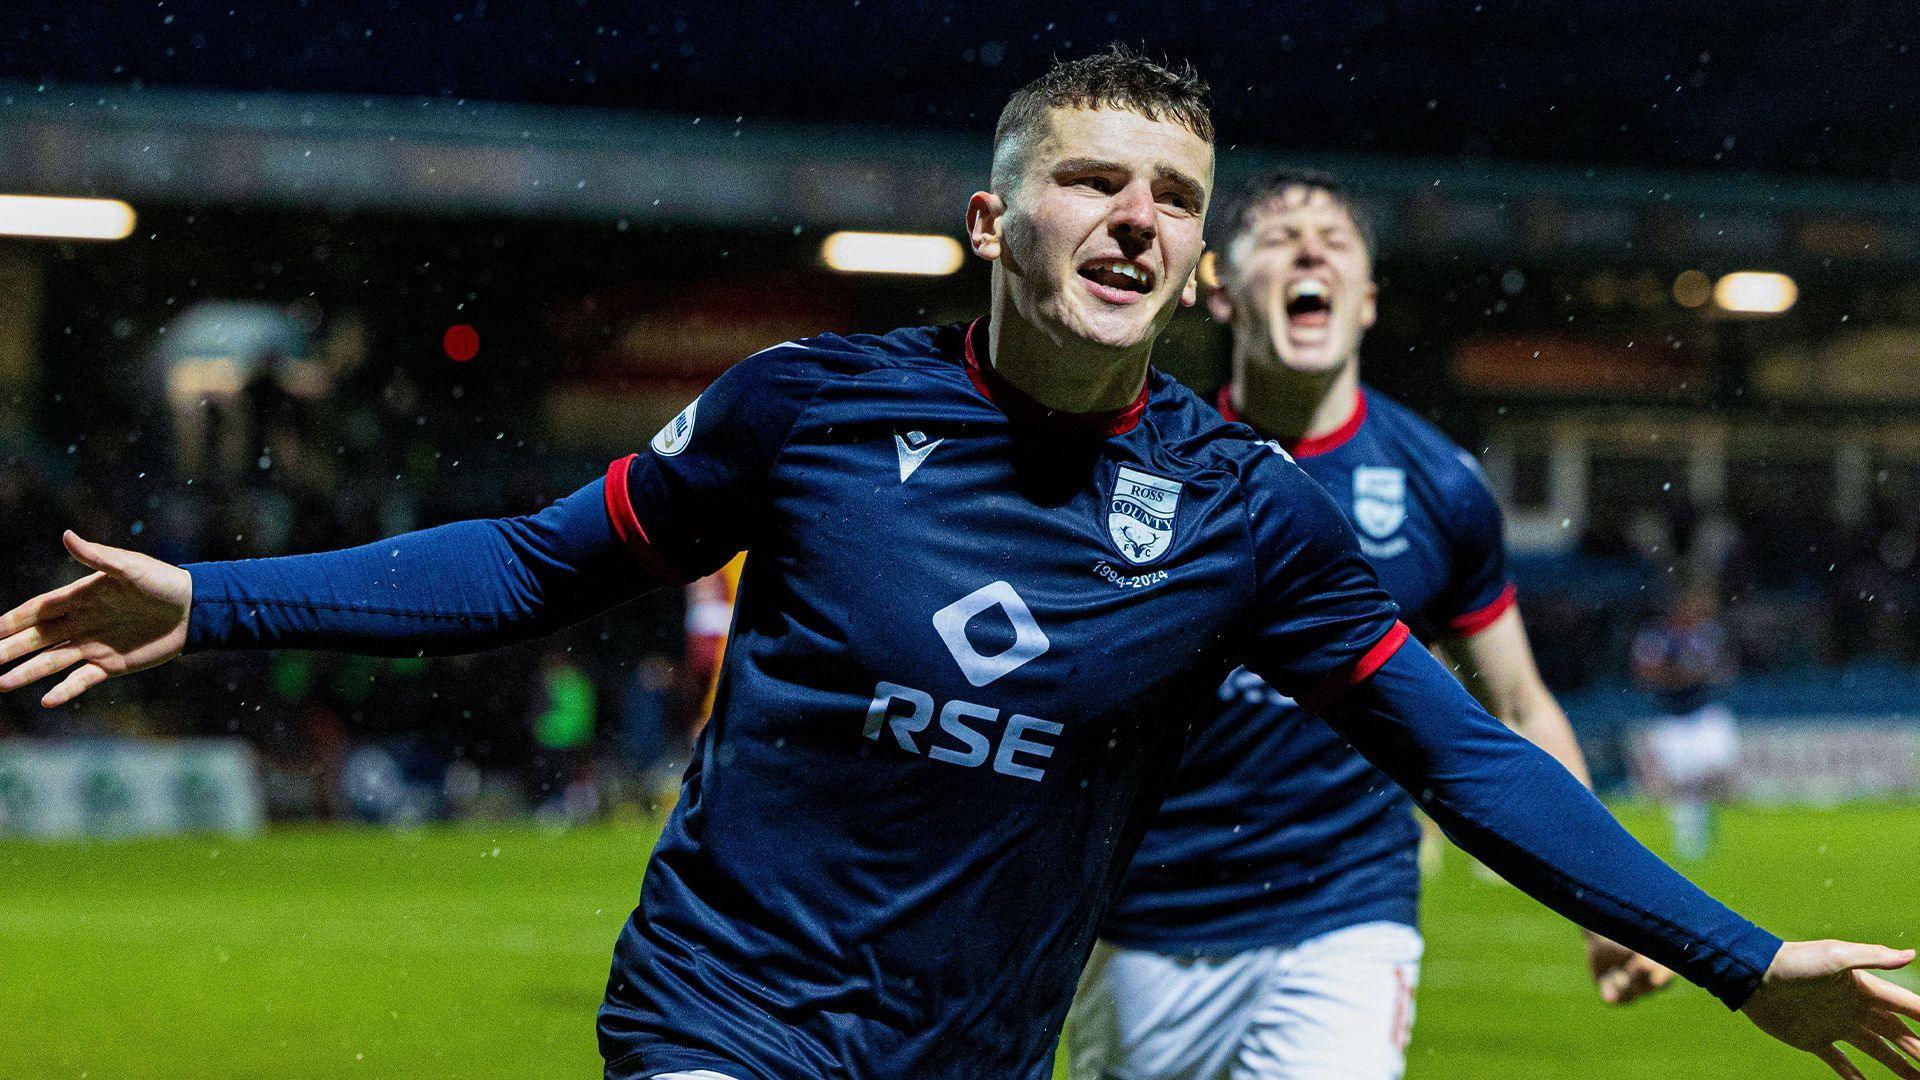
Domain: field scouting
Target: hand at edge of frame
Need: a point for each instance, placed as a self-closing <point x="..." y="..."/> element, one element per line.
<point x="1819" y="994"/>
<point x="128" y="615"/>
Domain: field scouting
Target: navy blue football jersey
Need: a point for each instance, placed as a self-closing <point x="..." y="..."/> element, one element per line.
<point x="966" y="643"/>
<point x="1275" y="830"/>
<point x="967" y="640"/>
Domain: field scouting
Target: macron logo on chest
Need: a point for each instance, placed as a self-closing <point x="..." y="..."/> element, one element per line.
<point x="913" y="448"/>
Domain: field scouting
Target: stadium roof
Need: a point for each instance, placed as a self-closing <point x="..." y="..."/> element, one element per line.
<point x="337" y="153"/>
<point x="1766" y="85"/>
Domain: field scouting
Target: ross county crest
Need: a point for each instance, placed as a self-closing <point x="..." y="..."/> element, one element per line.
<point x="1140" y="515"/>
<point x="1379" y="504"/>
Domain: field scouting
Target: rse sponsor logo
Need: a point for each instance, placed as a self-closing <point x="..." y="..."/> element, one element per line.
<point x="1029" y="641"/>
<point x="908" y="712"/>
<point x="1140" y="514"/>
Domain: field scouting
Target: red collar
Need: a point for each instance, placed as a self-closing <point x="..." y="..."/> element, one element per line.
<point x="1023" y="409"/>
<point x="1316" y="445"/>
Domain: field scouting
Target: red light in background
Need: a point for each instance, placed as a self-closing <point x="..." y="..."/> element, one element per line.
<point x="462" y="343"/>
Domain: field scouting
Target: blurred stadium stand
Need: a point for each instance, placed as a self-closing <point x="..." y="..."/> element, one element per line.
<point x="1554" y="320"/>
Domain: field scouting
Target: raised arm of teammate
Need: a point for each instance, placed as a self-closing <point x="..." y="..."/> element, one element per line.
<point x="1496" y="663"/>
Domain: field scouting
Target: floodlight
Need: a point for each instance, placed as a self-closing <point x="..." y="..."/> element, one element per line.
<point x="892" y="253"/>
<point x="65" y="219"/>
<point x="1757" y="292"/>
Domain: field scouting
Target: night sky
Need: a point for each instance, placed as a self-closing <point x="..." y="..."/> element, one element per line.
<point x="1769" y="86"/>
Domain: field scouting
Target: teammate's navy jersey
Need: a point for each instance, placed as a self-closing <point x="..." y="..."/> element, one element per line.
<point x="1275" y="830"/>
<point x="964" y="651"/>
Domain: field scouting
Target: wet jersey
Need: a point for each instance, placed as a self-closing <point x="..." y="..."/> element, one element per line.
<point x="1276" y="830"/>
<point x="963" y="642"/>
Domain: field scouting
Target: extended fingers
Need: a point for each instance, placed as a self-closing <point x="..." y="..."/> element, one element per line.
<point x="1634" y="978"/>
<point x="1878" y="1050"/>
<point x="40" y="666"/>
<point x="38" y="636"/>
<point x="1855" y="954"/>
<point x="1621" y="985"/>
<point x="1895" y="1030"/>
<point x="78" y="681"/>
<point x="1635" y="983"/>
<point x="48" y="605"/>
<point x="1838" y="1062"/>
<point x="1890" y="996"/>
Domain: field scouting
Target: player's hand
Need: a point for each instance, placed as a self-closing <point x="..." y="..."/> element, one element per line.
<point x="1620" y="974"/>
<point x="1818" y="994"/>
<point x="126" y="616"/>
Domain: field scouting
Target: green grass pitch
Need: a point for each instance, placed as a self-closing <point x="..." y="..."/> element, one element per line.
<point x="481" y="952"/>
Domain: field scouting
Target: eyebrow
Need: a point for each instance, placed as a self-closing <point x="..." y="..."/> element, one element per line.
<point x="1275" y="225"/>
<point x="1087" y="164"/>
<point x="1192" y="188"/>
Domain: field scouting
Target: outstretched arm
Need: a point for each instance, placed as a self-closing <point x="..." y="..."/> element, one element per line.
<point x="457" y="588"/>
<point x="1521" y="813"/>
<point x="674" y="514"/>
<point x="461" y="587"/>
<point x="1496" y="663"/>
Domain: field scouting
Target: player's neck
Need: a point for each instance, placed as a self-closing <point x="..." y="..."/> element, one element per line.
<point x="1281" y="403"/>
<point x="1068" y="376"/>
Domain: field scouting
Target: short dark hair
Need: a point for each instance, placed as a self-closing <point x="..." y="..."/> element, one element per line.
<point x="1118" y="78"/>
<point x="1237" y="212"/>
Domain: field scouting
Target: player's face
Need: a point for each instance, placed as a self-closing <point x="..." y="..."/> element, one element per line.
<point x="1300" y="276"/>
<point x="1103" y="233"/>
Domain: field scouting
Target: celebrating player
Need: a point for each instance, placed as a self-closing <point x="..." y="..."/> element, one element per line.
<point x="1267" y="928"/>
<point x="988" y="568"/>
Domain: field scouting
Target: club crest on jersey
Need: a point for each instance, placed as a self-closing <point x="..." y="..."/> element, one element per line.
<point x="1380" y="508"/>
<point x="1140" y="515"/>
<point x="678" y="433"/>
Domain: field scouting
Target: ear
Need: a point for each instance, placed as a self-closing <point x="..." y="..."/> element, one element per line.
<point x="985" y="214"/>
<point x="1190" y="292"/>
<point x="1370" y="309"/>
<point x="1220" y="305"/>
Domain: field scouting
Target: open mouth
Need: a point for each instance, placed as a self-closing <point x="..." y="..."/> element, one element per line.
<point x="1119" y="275"/>
<point x="1309" y="303"/>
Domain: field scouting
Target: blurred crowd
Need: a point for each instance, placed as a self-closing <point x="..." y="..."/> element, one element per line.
<point x="1793" y="589"/>
<point x="249" y="437"/>
<point x="290" y="449"/>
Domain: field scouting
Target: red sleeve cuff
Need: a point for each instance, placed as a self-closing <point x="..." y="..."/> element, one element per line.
<point x="626" y="524"/>
<point x="1330" y="689"/>
<point x="1479" y="619"/>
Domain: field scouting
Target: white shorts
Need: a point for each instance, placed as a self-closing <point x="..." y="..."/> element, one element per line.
<point x="1335" y="1007"/>
<point x="1700" y="746"/>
